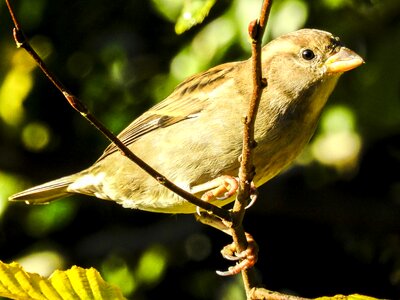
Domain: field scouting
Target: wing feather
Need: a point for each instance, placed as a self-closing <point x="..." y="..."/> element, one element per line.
<point x="187" y="101"/>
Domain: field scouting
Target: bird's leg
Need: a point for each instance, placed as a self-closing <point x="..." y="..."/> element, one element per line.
<point x="220" y="188"/>
<point x="223" y="188"/>
<point x="245" y="259"/>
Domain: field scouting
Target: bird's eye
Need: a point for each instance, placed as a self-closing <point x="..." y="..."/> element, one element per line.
<point x="307" y="54"/>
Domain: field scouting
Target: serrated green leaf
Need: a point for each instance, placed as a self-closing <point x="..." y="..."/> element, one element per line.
<point x="193" y="12"/>
<point x="75" y="283"/>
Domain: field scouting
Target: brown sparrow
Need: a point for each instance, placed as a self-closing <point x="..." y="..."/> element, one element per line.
<point x="194" y="136"/>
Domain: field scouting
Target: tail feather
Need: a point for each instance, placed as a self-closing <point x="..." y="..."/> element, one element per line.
<point x="45" y="192"/>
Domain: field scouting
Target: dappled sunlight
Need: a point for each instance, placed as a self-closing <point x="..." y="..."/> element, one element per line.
<point x="287" y="16"/>
<point x="243" y="13"/>
<point x="216" y="36"/>
<point x="148" y="272"/>
<point x="200" y="53"/>
<point x="338" y="144"/>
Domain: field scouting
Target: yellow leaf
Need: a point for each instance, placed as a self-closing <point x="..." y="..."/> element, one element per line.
<point x="349" y="297"/>
<point x="75" y="283"/>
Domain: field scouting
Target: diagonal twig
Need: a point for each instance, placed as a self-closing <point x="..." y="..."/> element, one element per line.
<point x="22" y="42"/>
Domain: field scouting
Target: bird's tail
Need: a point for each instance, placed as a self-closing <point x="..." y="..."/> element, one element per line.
<point x="45" y="192"/>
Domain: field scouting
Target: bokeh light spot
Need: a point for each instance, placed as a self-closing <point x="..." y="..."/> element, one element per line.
<point x="9" y="184"/>
<point x="290" y="15"/>
<point x="44" y="219"/>
<point x="152" y="265"/>
<point x="338" y="118"/>
<point x="116" y="271"/>
<point x="36" y="136"/>
<point x="338" y="145"/>
<point x="340" y="150"/>
<point x="15" y="88"/>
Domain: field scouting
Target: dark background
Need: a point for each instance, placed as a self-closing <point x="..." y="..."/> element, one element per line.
<point x="323" y="228"/>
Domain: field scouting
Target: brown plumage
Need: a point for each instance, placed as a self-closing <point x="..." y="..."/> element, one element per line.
<point x="195" y="134"/>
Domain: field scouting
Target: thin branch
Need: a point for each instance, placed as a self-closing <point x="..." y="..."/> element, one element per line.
<point x="263" y="294"/>
<point x="22" y="42"/>
<point x="246" y="172"/>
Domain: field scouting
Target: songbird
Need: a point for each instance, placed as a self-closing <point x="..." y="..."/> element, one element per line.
<point x="194" y="136"/>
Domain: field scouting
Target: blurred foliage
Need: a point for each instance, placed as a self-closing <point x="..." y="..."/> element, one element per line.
<point x="335" y="214"/>
<point x="193" y="12"/>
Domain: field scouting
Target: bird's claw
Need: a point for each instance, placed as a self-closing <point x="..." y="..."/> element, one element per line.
<point x="224" y="187"/>
<point x="246" y="258"/>
<point x="253" y="195"/>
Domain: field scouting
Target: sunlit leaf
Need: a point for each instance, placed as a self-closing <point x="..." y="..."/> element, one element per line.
<point x="347" y="297"/>
<point x="193" y="12"/>
<point x="75" y="283"/>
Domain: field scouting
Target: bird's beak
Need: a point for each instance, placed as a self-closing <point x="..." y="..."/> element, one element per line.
<point x="342" y="61"/>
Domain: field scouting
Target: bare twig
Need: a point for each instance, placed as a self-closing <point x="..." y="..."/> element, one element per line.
<point x="263" y="294"/>
<point x="22" y="42"/>
<point x="246" y="172"/>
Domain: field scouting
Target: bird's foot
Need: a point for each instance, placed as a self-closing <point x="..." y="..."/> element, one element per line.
<point x="220" y="188"/>
<point x="246" y="259"/>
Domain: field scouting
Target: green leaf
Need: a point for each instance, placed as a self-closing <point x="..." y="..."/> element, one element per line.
<point x="193" y="12"/>
<point x="75" y="283"/>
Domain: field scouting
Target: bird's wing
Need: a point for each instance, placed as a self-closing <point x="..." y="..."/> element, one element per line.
<point x="187" y="101"/>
